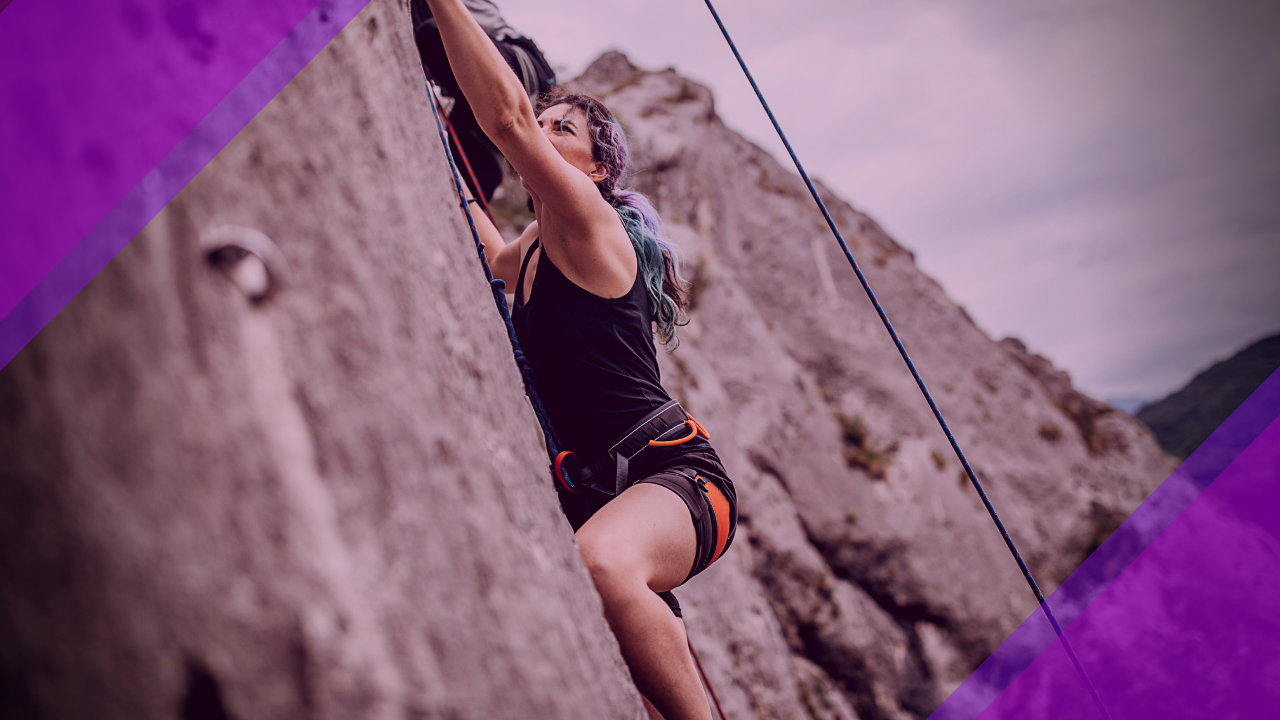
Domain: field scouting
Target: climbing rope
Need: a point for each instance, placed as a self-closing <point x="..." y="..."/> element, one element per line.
<point x="711" y="691"/>
<point x="475" y="184"/>
<point x="973" y="478"/>
<point x="498" y="287"/>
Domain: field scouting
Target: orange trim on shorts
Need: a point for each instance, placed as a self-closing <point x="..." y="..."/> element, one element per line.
<point x="720" y="505"/>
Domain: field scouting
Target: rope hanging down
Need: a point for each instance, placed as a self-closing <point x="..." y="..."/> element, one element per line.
<point x="457" y="142"/>
<point x="705" y="681"/>
<point x="973" y="478"/>
<point x="498" y="287"/>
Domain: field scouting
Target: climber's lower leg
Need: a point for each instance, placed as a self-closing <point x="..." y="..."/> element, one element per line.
<point x="638" y="545"/>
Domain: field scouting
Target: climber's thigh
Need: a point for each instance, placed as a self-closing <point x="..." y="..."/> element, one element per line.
<point x="644" y="534"/>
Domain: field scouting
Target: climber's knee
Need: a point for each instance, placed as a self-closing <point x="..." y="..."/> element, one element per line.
<point x="642" y="539"/>
<point x="615" y="568"/>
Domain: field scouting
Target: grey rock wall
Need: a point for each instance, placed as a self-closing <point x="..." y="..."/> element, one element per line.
<point x="862" y="548"/>
<point x="328" y="503"/>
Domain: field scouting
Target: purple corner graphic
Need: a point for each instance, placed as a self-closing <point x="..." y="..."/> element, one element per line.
<point x="1174" y="615"/>
<point x="111" y="108"/>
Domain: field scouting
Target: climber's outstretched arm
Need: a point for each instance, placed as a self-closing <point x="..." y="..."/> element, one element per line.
<point x="581" y="231"/>
<point x="496" y="96"/>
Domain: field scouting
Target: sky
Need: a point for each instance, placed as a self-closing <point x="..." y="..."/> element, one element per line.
<point x="1098" y="178"/>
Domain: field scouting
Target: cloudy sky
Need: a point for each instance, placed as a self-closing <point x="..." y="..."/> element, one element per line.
<point x="1099" y="178"/>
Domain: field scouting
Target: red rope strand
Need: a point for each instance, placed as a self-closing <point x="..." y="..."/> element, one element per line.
<point x="461" y="153"/>
<point x="705" y="681"/>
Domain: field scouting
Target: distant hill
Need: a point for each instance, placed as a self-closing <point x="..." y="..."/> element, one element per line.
<point x="1186" y="418"/>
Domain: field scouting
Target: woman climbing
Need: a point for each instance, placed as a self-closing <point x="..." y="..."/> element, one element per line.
<point x="648" y="499"/>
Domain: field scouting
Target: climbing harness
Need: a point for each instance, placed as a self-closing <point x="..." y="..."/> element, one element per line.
<point x="973" y="478"/>
<point x="719" y="509"/>
<point x="656" y="430"/>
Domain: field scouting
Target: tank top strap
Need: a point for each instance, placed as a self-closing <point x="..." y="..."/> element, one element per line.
<point x="524" y="266"/>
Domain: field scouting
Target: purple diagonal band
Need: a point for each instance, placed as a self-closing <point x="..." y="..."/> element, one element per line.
<point x="1189" y="629"/>
<point x="97" y="151"/>
<point x="998" y="687"/>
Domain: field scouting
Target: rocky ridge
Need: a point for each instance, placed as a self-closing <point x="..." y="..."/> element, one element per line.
<point x="862" y="545"/>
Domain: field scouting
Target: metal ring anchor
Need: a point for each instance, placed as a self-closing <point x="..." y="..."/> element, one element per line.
<point x="249" y="258"/>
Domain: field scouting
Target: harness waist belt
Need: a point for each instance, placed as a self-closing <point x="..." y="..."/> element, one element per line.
<point x="658" y="427"/>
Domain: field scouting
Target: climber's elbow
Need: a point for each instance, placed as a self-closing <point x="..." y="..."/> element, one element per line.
<point x="506" y="125"/>
<point x="509" y="124"/>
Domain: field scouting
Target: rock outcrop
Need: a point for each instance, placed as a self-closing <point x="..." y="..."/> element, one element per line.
<point x="275" y="461"/>
<point x="863" y="550"/>
<point x="310" y="492"/>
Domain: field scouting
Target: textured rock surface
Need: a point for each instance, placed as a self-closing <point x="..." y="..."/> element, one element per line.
<point x="860" y="543"/>
<point x="331" y="502"/>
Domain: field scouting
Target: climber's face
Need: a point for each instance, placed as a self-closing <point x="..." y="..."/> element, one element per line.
<point x="566" y="127"/>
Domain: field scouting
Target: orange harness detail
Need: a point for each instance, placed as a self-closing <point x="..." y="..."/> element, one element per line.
<point x="696" y="430"/>
<point x="654" y="431"/>
<point x="657" y="426"/>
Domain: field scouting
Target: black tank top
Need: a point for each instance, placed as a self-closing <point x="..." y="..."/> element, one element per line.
<point x="595" y="360"/>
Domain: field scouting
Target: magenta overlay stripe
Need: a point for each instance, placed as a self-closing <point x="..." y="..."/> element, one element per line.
<point x="108" y="109"/>
<point x="1189" y="630"/>
<point x="1174" y="615"/>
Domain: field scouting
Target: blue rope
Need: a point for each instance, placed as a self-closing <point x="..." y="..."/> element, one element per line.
<point x="499" y="292"/>
<point x="1026" y="573"/>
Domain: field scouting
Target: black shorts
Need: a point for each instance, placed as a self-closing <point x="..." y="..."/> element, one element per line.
<point x="695" y="474"/>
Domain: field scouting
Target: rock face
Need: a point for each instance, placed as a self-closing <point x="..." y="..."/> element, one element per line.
<point x="303" y="481"/>
<point x="866" y="573"/>
<point x="327" y="503"/>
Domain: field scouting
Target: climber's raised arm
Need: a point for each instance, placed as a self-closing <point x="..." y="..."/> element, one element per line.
<point x="581" y="231"/>
<point x="497" y="97"/>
